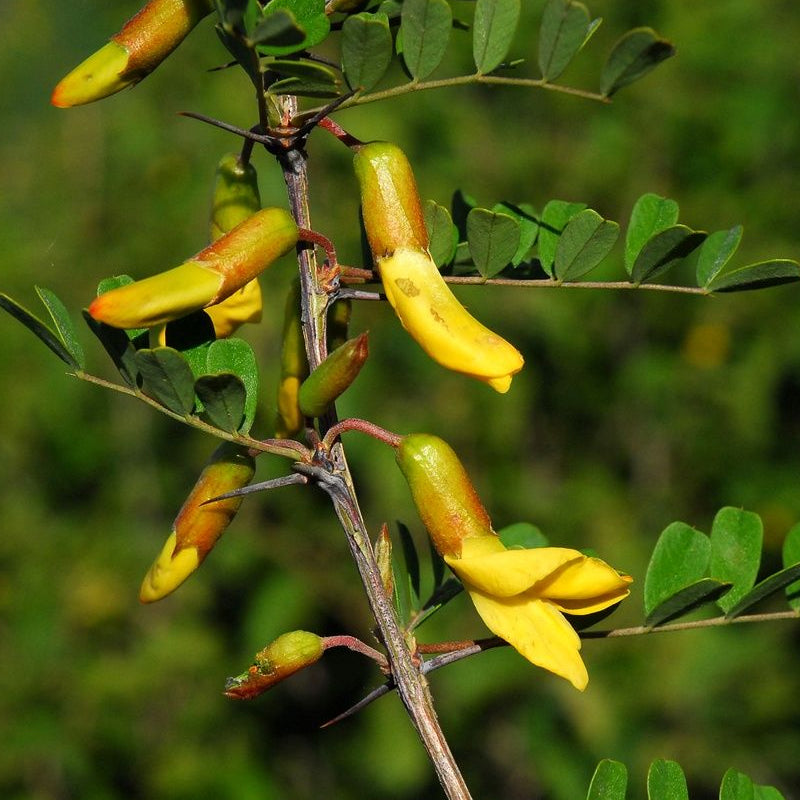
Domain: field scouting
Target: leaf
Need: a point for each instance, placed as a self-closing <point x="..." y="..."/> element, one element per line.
<point x="223" y="398"/>
<point x="757" y="276"/>
<point x="664" y="251"/>
<point x="633" y="56"/>
<point x="527" y="219"/>
<point x="791" y="556"/>
<point x="442" y="233"/>
<point x="736" y="786"/>
<point x="460" y="206"/>
<point x="736" y="539"/>
<point x="493" y="240"/>
<point x="680" y="557"/>
<point x="555" y="216"/>
<point x="167" y="378"/>
<point x="767" y="793"/>
<point x="64" y="327"/>
<point x="278" y="30"/>
<point x="651" y="214"/>
<point x="237" y="357"/>
<point x="425" y="27"/>
<point x="366" y="49"/>
<point x="411" y="560"/>
<point x="764" y="589"/>
<point x="118" y="345"/>
<point x="564" y="29"/>
<point x="192" y="335"/>
<point x="609" y="781"/>
<point x="584" y="243"/>
<point x="666" y="781"/>
<point x="493" y="29"/>
<point x="687" y="599"/>
<point x="39" y="329"/>
<point x="522" y="535"/>
<point x="305" y="87"/>
<point x="716" y="252"/>
<point x="437" y="566"/>
<point x="310" y="19"/>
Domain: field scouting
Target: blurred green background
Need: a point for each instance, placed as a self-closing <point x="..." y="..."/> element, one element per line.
<point x="633" y="410"/>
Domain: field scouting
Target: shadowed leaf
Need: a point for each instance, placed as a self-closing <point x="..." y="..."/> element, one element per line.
<point x="632" y="57"/>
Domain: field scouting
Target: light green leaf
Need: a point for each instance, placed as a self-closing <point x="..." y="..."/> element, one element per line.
<point x="633" y="56"/>
<point x="791" y="556"/>
<point x="493" y="240"/>
<point x="715" y="254"/>
<point x="736" y="539"/>
<point x="527" y="218"/>
<point x="442" y="234"/>
<point x="651" y="214"/>
<point x="494" y="26"/>
<point x="666" y="781"/>
<point x="757" y="276"/>
<point x="680" y="558"/>
<point x="609" y="781"/>
<point x="736" y="786"/>
<point x="167" y="378"/>
<point x="522" y="534"/>
<point x="767" y="793"/>
<point x="64" y="327"/>
<point x="366" y="49"/>
<point x="425" y="28"/>
<point x="664" y="251"/>
<point x="309" y="16"/>
<point x="584" y="243"/>
<point x="564" y="29"/>
<point x="555" y="216"/>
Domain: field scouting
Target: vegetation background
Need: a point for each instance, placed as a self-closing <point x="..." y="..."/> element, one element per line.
<point x="634" y="410"/>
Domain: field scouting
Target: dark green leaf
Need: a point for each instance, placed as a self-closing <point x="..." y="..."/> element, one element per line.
<point x="119" y="346"/>
<point x="303" y="68"/>
<point x="565" y="26"/>
<point x="304" y="87"/>
<point x="278" y="29"/>
<point x="609" y="781"/>
<point x="555" y="216"/>
<point x="736" y="786"/>
<point x="765" y="588"/>
<point x="237" y="357"/>
<point x="223" y="397"/>
<point x="425" y="27"/>
<point x="493" y="29"/>
<point x="441" y="232"/>
<point x="39" y="329"/>
<point x="687" y="599"/>
<point x="167" y="378"/>
<point x="437" y="566"/>
<point x="402" y="591"/>
<point x="633" y="56"/>
<point x="527" y="218"/>
<point x="584" y="243"/>
<point x="757" y="276"/>
<point x="715" y="254"/>
<point x="64" y="327"/>
<point x="522" y="534"/>
<point x="680" y="557"/>
<point x="192" y="335"/>
<point x="412" y="562"/>
<point x="665" y="781"/>
<point x="493" y="240"/>
<point x="791" y="556"/>
<point x="736" y="539"/>
<point x="651" y="214"/>
<point x="366" y="49"/>
<point x="310" y="18"/>
<point x="664" y="251"/>
<point x="460" y="206"/>
<point x="115" y="282"/>
<point x="443" y="594"/>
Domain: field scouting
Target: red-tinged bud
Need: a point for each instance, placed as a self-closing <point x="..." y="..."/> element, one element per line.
<point x="277" y="661"/>
<point x="198" y="527"/>
<point x="209" y="277"/>
<point x="443" y="493"/>
<point x="142" y="44"/>
<point x="332" y="377"/>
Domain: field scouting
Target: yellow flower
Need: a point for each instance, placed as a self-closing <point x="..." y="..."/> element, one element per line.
<point x="521" y="595"/>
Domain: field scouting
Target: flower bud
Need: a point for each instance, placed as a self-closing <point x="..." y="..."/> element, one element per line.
<point x="142" y="44"/>
<point x="288" y="654"/>
<point x="333" y="376"/>
<point x="444" y="495"/>
<point x="197" y="527"/>
<point x="209" y="277"/>
<point x="294" y="367"/>
<point x="427" y="309"/>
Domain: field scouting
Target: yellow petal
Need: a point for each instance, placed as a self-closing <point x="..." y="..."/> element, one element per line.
<point x="536" y="630"/>
<point x="244" y="305"/>
<point x="585" y="586"/>
<point x="505" y="573"/>
<point x="169" y="571"/>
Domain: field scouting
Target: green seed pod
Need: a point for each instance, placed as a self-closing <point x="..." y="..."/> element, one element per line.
<point x="333" y="376"/>
<point x="442" y="491"/>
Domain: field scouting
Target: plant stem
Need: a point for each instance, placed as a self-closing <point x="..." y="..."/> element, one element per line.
<point x="337" y="481"/>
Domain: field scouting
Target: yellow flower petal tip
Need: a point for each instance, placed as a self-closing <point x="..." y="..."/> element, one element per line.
<point x="98" y="76"/>
<point x="169" y="571"/>
<point x="444" y="329"/>
<point x="243" y="306"/>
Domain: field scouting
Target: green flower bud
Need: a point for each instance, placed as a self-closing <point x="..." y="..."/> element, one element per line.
<point x="236" y="195"/>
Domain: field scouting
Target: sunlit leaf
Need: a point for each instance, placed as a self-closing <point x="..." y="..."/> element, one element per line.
<point x="309" y="16"/>
<point x="736" y="539"/>
<point x="223" y="398"/>
<point x="791" y="556"/>
<point x="651" y="214"/>
<point x="736" y="786"/>
<point x="442" y="233"/>
<point x="757" y="276"/>
<point x="715" y="253"/>
<point x="493" y="29"/>
<point x="237" y="357"/>
<point x="366" y="49"/>
<point x="565" y="26"/>
<point x="609" y="781"/>
<point x="522" y="534"/>
<point x="666" y="781"/>
<point x="633" y="56"/>
<point x="555" y="216"/>
<point x="64" y="327"/>
<point x="585" y="241"/>
<point x="493" y="240"/>
<point x="666" y="249"/>
<point x="425" y="27"/>
<point x="167" y="378"/>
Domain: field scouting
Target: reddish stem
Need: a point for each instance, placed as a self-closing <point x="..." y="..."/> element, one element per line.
<point x="355" y="424"/>
<point x="340" y="133"/>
